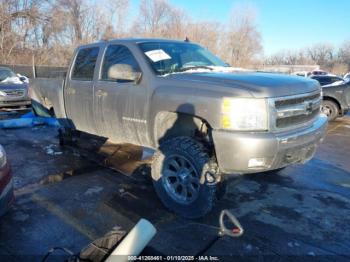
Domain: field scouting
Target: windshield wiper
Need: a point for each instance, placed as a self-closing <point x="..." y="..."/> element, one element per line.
<point x="194" y="67"/>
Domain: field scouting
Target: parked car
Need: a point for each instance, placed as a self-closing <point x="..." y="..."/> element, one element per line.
<point x="204" y="119"/>
<point x="6" y="183"/>
<point x="347" y="76"/>
<point x="328" y="79"/>
<point x="319" y="73"/>
<point x="336" y="95"/>
<point x="13" y="89"/>
<point x="301" y="73"/>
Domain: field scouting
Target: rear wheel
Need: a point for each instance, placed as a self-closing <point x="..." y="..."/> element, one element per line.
<point x="182" y="177"/>
<point x="330" y="109"/>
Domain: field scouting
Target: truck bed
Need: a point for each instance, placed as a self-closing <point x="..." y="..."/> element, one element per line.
<point x="49" y="93"/>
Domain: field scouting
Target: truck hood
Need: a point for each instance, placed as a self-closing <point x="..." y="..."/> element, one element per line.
<point x="259" y="85"/>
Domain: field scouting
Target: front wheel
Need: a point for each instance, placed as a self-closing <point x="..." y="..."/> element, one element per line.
<point x="182" y="177"/>
<point x="330" y="109"/>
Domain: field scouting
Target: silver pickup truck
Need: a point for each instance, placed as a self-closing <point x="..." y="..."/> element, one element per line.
<point x="204" y="118"/>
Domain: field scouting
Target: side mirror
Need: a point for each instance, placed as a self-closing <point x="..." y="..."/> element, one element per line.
<point x="23" y="78"/>
<point x="123" y="72"/>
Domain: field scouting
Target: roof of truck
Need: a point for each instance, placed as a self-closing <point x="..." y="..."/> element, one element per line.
<point x="143" y="40"/>
<point x="136" y="41"/>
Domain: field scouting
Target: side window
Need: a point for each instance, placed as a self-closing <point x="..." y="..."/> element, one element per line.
<point x="327" y="81"/>
<point x="318" y="79"/>
<point x="117" y="54"/>
<point x="85" y="64"/>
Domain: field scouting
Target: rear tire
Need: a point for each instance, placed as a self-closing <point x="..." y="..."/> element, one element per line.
<point x="182" y="177"/>
<point x="330" y="109"/>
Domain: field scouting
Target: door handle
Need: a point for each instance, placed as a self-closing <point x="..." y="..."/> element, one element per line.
<point x="101" y="93"/>
<point x="70" y="91"/>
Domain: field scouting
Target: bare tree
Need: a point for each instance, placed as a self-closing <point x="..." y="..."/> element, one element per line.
<point x="242" y="40"/>
<point x="17" y="20"/>
<point x="344" y="54"/>
<point x="288" y="57"/>
<point x="206" y="33"/>
<point x="321" y="54"/>
<point x="157" y="18"/>
<point x="117" y="18"/>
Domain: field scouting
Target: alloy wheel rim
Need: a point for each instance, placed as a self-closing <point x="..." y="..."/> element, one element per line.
<point x="327" y="111"/>
<point x="180" y="179"/>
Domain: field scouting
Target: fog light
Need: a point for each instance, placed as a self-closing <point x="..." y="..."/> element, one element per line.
<point x="257" y="163"/>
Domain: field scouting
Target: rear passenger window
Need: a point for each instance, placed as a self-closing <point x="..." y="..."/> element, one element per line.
<point x="118" y="54"/>
<point x="85" y="64"/>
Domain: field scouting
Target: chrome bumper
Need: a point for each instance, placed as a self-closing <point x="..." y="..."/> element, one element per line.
<point x="252" y="152"/>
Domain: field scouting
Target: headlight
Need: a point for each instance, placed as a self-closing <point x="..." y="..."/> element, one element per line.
<point x="2" y="93"/>
<point x="2" y="157"/>
<point x="246" y="114"/>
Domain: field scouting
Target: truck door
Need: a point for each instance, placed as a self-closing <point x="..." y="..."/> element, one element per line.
<point x="119" y="104"/>
<point x="347" y="95"/>
<point x="78" y="92"/>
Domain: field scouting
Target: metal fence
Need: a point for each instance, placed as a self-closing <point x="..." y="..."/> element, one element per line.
<point x="39" y="71"/>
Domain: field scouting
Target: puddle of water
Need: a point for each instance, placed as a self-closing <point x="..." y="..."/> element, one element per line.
<point x="56" y="178"/>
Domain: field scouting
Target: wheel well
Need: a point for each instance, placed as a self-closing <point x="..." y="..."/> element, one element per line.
<point x="333" y="100"/>
<point x="173" y="124"/>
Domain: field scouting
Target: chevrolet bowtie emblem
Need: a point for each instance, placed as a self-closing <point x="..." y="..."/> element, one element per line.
<point x="308" y="108"/>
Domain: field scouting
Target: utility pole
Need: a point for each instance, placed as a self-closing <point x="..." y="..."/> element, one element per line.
<point x="33" y="66"/>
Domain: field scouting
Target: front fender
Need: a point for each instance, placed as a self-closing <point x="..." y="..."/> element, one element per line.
<point x="205" y="105"/>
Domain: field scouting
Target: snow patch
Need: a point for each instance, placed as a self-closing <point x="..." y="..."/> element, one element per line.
<point x="93" y="190"/>
<point x="50" y="150"/>
<point x="12" y="80"/>
<point x="213" y="69"/>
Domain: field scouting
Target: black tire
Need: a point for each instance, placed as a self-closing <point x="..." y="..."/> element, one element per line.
<point x="331" y="109"/>
<point x="194" y="162"/>
<point x="221" y="189"/>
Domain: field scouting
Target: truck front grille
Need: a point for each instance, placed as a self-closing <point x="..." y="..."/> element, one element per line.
<point x="296" y="110"/>
<point x="17" y="93"/>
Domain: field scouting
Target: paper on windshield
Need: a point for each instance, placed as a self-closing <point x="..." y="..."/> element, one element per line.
<point x="157" y="55"/>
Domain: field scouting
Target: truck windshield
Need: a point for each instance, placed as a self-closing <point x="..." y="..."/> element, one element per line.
<point x="173" y="57"/>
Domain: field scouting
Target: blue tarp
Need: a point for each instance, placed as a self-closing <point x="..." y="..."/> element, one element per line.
<point x="28" y="120"/>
